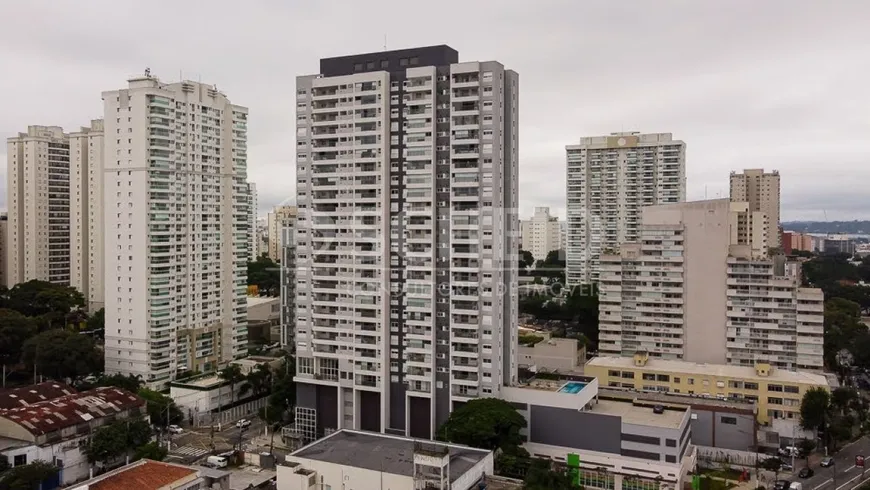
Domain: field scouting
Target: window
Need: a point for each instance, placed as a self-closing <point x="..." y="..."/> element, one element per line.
<point x="19" y="460"/>
<point x="750" y="386"/>
<point x="613" y="373"/>
<point x="655" y="441"/>
<point x="649" y="377"/>
<point x="663" y="377"/>
<point x="370" y="65"/>
<point x="691" y="381"/>
<point x="791" y="389"/>
<point x="728" y="420"/>
<point x="358" y="67"/>
<point x="385" y="63"/>
<point x="670" y="458"/>
<point x="671" y="442"/>
<point x="676" y="380"/>
<point x="777" y="388"/>
<point x="628" y="374"/>
<point x="403" y="62"/>
<point x="774" y="400"/>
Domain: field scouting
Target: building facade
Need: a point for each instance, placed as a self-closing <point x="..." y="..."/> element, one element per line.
<point x="253" y="238"/>
<point x="610" y="178"/>
<point x="281" y="217"/>
<point x="4" y="229"/>
<point x="175" y="229"/>
<point x="760" y="191"/>
<point x="288" y="287"/>
<point x="38" y="205"/>
<point x="541" y="234"/>
<point x="86" y="213"/>
<point x="776" y="392"/>
<point x="407" y="183"/>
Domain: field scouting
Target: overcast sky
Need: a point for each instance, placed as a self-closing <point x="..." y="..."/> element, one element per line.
<point x="779" y="84"/>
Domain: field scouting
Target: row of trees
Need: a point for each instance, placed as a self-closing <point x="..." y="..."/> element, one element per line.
<point x="837" y="416"/>
<point x="493" y="424"/>
<point x="550" y="270"/>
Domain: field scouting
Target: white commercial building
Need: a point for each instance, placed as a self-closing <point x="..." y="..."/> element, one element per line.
<point x="610" y="178"/>
<point x="760" y="191"/>
<point x="279" y="218"/>
<point x="176" y="214"/>
<point x="541" y="234"/>
<point x="86" y="213"/>
<point x="253" y="238"/>
<point x="38" y="205"/>
<point x="407" y="176"/>
<point x="365" y="460"/>
<point x="697" y="285"/>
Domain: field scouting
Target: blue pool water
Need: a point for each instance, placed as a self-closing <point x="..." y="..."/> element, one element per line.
<point x="572" y="387"/>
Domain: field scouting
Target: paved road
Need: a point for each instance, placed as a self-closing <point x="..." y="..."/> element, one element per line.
<point x="195" y="444"/>
<point x="842" y="476"/>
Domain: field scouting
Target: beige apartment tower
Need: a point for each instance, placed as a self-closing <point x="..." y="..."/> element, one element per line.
<point x="279" y="218"/>
<point x="541" y="234"/>
<point x="86" y="212"/>
<point x="697" y="286"/>
<point x="760" y="191"/>
<point x="37" y="197"/>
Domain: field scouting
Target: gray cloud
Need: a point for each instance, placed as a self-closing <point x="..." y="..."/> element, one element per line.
<point x="774" y="84"/>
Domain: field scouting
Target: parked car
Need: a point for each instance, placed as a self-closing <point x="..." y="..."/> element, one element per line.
<point x="805" y="472"/>
<point x="785" y="466"/>
<point x="243" y="423"/>
<point x="781" y="485"/>
<point x="216" y="461"/>
<point x="827" y="462"/>
<point x="174" y="429"/>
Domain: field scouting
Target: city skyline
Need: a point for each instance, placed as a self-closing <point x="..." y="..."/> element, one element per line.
<point x="736" y="107"/>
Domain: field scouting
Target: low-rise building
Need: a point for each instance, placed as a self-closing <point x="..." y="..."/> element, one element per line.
<point x="355" y="459"/>
<point x="264" y="320"/>
<point x="776" y="392"/>
<point x="56" y="430"/>
<point x="639" y="445"/>
<point x="551" y="354"/>
<point x="146" y="474"/>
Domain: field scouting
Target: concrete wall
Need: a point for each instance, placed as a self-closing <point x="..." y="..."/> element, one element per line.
<point x="651" y="443"/>
<point x="575" y="429"/>
<point x="552" y="355"/>
<point x="713" y="429"/>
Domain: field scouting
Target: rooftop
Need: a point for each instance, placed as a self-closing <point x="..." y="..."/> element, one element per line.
<point x="715" y="370"/>
<point x="28" y="395"/>
<point x="677" y="399"/>
<point x="259" y="300"/>
<point x="70" y="410"/>
<point x="563" y="383"/>
<point x="141" y="475"/>
<point x="639" y="414"/>
<point x="381" y="452"/>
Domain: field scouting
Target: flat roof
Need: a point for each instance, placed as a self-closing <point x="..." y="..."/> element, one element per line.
<point x="561" y="384"/>
<point x="259" y="300"/>
<point x="720" y="370"/>
<point x="381" y="452"/>
<point x="677" y="399"/>
<point x="637" y="414"/>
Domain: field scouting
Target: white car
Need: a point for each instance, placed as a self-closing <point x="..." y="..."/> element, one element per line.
<point x="174" y="429"/>
<point x="243" y="423"/>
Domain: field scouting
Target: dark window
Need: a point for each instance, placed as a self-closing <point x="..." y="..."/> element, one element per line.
<point x="403" y="62"/>
<point x="613" y="373"/>
<point x="670" y="442"/>
<point x="649" y="377"/>
<point x="370" y="65"/>
<point x="669" y="458"/>
<point x="415" y="60"/>
<point x="728" y="420"/>
<point x="792" y="389"/>
<point x="685" y="432"/>
<point x="19" y="460"/>
<point x="663" y="377"/>
<point x="676" y="380"/>
<point x="357" y="67"/>
<point x="628" y="374"/>
<point x="750" y="386"/>
<point x="639" y="454"/>
<point x="385" y="63"/>
<point x="641" y="439"/>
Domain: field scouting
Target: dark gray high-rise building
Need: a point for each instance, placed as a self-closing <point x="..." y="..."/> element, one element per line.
<point x="407" y="239"/>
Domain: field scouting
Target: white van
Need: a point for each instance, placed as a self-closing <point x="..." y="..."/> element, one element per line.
<point x="221" y="462"/>
<point x="796" y="485"/>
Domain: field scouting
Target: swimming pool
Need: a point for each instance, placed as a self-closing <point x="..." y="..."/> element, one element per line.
<point x="572" y="387"/>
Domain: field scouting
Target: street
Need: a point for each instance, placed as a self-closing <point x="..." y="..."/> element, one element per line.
<point x="194" y="444"/>
<point x="842" y="476"/>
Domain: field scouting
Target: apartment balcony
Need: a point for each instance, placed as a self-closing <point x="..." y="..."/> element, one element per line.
<point x="464" y="80"/>
<point x="418" y="84"/>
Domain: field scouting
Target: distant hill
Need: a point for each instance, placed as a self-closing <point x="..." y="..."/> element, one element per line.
<point x="847" y="227"/>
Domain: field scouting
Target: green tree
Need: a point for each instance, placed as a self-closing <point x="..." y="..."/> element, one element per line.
<point x="97" y="321"/>
<point x="842" y="398"/>
<point x="60" y="354"/>
<point x="486" y="423"/>
<point x="772" y="464"/>
<point x="232" y="374"/>
<point x="27" y="476"/>
<point x="806" y="447"/>
<point x="814" y="408"/>
<point x="51" y="303"/>
<point x="542" y="475"/>
<point x="161" y="409"/>
<point x="112" y="441"/>
<point x="125" y="382"/>
<point x="265" y="273"/>
<point x="283" y="394"/>
<point x="526" y="260"/>
<point x="15" y="329"/>
<point x="152" y="451"/>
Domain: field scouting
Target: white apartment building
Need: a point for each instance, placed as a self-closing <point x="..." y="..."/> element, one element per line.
<point x="288" y="286"/>
<point x="541" y="234"/>
<point x="407" y="183"/>
<point x="771" y="318"/>
<point x="692" y="288"/>
<point x="279" y="218"/>
<point x="253" y="238"/>
<point x="37" y="197"/>
<point x="4" y="220"/>
<point x="760" y="190"/>
<point x="86" y="212"/>
<point x="176" y="216"/>
<point x="610" y="178"/>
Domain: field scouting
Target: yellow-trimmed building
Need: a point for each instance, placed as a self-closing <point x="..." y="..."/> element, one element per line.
<point x="776" y="392"/>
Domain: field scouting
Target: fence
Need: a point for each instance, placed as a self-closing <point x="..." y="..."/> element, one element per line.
<point x="717" y="457"/>
<point x="244" y="410"/>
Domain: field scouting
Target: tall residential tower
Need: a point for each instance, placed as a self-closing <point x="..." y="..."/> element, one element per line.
<point x="176" y="213"/>
<point x="610" y="178"/>
<point x="761" y="191"/>
<point x="541" y="234"/>
<point x="407" y="239"/>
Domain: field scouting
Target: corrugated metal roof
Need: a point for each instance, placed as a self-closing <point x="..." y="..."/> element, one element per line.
<point x="70" y="410"/>
<point x="28" y="395"/>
